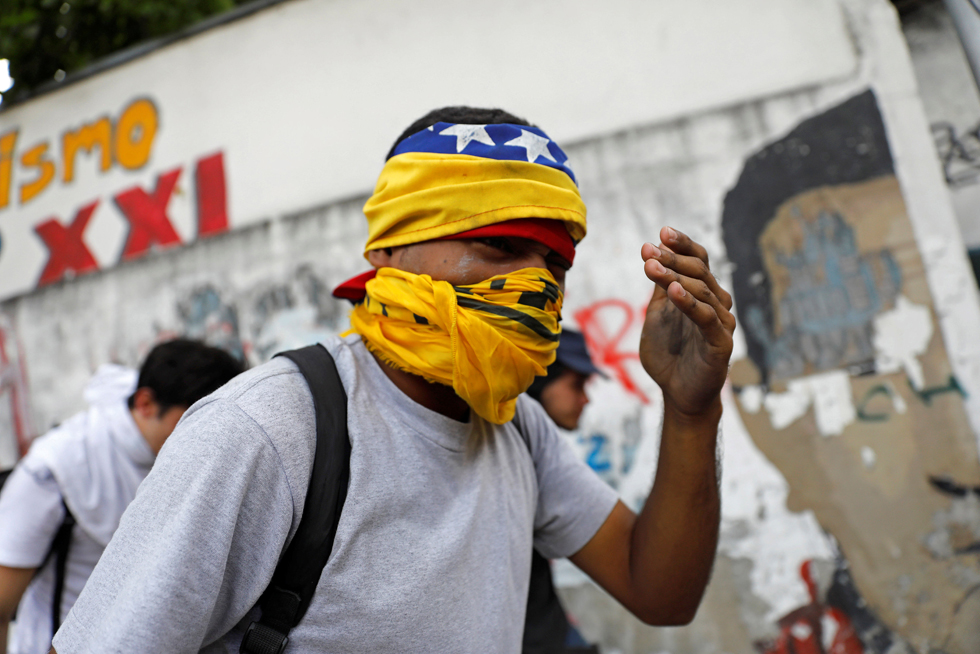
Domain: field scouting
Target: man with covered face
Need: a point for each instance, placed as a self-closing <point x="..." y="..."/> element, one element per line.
<point x="454" y="475"/>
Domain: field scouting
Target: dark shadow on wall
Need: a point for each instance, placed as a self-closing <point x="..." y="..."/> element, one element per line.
<point x="974" y="255"/>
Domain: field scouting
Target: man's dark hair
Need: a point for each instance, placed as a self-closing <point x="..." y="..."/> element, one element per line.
<point x="182" y="371"/>
<point x="572" y="354"/>
<point x="462" y="116"/>
<point x="555" y="370"/>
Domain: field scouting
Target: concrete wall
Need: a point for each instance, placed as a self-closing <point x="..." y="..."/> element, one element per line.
<point x="834" y="539"/>
<point x="952" y="104"/>
<point x="294" y="107"/>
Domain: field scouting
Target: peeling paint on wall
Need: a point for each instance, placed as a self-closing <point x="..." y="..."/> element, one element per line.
<point x="901" y="335"/>
<point x="758" y="526"/>
<point x="829" y="393"/>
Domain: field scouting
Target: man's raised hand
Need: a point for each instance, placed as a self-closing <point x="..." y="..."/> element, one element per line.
<point x="658" y="563"/>
<point x="686" y="341"/>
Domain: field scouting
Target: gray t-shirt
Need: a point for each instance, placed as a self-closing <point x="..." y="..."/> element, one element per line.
<point x="433" y="548"/>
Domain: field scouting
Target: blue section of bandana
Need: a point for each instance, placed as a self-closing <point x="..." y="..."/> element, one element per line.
<point x="503" y="142"/>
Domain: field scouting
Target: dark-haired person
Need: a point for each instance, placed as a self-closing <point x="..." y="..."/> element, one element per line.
<point x="90" y="466"/>
<point x="471" y="228"/>
<point x="561" y="392"/>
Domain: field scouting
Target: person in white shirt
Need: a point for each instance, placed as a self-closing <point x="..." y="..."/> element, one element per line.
<point x="90" y="467"/>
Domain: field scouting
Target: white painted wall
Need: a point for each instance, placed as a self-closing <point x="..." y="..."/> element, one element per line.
<point x="304" y="98"/>
<point x="950" y="97"/>
<point x="657" y="105"/>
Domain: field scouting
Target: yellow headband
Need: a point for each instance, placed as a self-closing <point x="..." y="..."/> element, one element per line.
<point x="421" y="196"/>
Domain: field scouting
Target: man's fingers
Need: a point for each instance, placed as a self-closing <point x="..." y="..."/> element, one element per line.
<point x="649" y="251"/>
<point x="693" y="267"/>
<point x="653" y="270"/>
<point x="706" y="291"/>
<point x="715" y="332"/>
<point x="681" y="243"/>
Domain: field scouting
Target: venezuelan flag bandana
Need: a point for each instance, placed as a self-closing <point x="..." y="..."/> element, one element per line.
<point x="449" y="179"/>
<point x="488" y="340"/>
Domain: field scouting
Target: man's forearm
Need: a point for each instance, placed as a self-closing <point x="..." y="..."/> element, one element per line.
<point x="657" y="564"/>
<point x="13" y="583"/>
<point x="675" y="536"/>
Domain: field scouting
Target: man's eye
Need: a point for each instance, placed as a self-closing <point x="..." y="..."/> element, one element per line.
<point x="498" y="243"/>
<point x="558" y="274"/>
<point x="555" y="261"/>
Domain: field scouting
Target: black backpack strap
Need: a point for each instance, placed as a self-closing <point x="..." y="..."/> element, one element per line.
<point x="3" y="476"/>
<point x="60" y="545"/>
<point x="516" y="420"/>
<point x="545" y="623"/>
<point x="291" y="590"/>
<point x="59" y="549"/>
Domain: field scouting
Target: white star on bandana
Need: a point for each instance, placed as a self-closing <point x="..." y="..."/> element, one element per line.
<point x="466" y="133"/>
<point x="536" y="146"/>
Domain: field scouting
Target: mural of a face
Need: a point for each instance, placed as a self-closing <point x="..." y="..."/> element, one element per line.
<point x="848" y="388"/>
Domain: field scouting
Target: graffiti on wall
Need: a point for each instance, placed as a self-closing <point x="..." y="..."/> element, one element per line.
<point x="882" y="402"/>
<point x="831" y="296"/>
<point x="817" y="627"/>
<point x="858" y="392"/>
<point x="837" y="620"/>
<point x="959" y="153"/>
<point x="612" y="455"/>
<point x="206" y="317"/>
<point x="124" y="143"/>
<point x="146" y="214"/>
<point x="15" y="414"/>
<point x="958" y="530"/>
<point x="254" y="323"/>
<point x="610" y="328"/>
<point x="804" y="292"/>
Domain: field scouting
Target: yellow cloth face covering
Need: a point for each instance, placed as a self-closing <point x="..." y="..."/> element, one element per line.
<point x="488" y="340"/>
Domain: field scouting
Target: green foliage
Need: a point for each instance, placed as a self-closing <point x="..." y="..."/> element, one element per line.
<point x="41" y="37"/>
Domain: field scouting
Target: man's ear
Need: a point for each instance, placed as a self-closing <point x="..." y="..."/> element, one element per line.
<point x="145" y="403"/>
<point x="379" y="258"/>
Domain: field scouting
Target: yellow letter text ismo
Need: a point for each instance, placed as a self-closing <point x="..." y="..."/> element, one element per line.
<point x="7" y="143"/>
<point x="135" y="131"/>
<point x="35" y="158"/>
<point x="97" y="134"/>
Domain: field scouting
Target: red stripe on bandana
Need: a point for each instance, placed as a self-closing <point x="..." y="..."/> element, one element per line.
<point x="543" y="230"/>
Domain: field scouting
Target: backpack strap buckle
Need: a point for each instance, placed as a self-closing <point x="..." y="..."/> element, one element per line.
<point x="263" y="639"/>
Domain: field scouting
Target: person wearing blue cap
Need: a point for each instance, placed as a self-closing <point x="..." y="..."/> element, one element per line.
<point x="562" y="391"/>
<point x="562" y="394"/>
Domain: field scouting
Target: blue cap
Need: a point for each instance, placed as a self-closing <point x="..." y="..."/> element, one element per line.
<point x="573" y="354"/>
